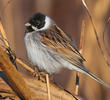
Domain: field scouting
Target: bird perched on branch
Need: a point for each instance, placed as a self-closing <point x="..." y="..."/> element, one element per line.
<point x="51" y="49"/>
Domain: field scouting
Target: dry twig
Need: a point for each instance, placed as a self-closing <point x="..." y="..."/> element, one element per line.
<point x="81" y="51"/>
<point x="48" y="86"/>
<point x="15" y="79"/>
<point x="96" y="34"/>
<point x="105" y="28"/>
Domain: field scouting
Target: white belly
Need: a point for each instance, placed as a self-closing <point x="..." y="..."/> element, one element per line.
<point x="41" y="56"/>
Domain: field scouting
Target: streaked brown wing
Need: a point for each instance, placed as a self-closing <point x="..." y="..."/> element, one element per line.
<point x="55" y="39"/>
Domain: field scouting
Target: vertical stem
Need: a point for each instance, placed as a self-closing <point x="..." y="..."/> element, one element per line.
<point x="48" y="87"/>
<point x="81" y="51"/>
<point x="3" y="34"/>
<point x="77" y="83"/>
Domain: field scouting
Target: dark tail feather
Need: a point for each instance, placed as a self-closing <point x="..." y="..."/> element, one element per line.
<point x="98" y="79"/>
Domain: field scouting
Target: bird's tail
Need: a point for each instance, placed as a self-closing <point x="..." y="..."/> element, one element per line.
<point x="98" y="79"/>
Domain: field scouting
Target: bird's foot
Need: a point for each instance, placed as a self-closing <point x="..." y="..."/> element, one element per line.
<point x="40" y="76"/>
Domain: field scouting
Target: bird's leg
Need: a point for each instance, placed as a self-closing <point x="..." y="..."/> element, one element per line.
<point x="43" y="76"/>
<point x="35" y="73"/>
<point x="39" y="74"/>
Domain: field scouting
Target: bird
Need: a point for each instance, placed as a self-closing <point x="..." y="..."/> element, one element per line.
<point x="50" y="49"/>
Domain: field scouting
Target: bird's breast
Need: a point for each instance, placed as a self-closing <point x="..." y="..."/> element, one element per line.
<point x="40" y="55"/>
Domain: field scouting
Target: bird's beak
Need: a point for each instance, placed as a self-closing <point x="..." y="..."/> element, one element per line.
<point x="27" y="24"/>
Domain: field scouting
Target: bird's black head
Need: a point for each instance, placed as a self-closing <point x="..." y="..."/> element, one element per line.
<point x="36" y="21"/>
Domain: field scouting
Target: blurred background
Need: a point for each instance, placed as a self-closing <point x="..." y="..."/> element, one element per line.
<point x="68" y="14"/>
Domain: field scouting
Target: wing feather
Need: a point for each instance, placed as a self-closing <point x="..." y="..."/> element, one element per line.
<point x="55" y="39"/>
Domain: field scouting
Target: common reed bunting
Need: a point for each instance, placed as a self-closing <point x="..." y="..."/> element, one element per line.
<point x="49" y="48"/>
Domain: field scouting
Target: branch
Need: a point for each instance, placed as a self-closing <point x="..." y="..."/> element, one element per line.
<point x="15" y="79"/>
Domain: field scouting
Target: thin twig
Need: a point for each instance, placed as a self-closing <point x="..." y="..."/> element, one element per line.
<point x="82" y="37"/>
<point x="24" y="65"/>
<point x="3" y="34"/>
<point x="96" y="34"/>
<point x="48" y="86"/>
<point x="81" y="51"/>
<point x="105" y="28"/>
